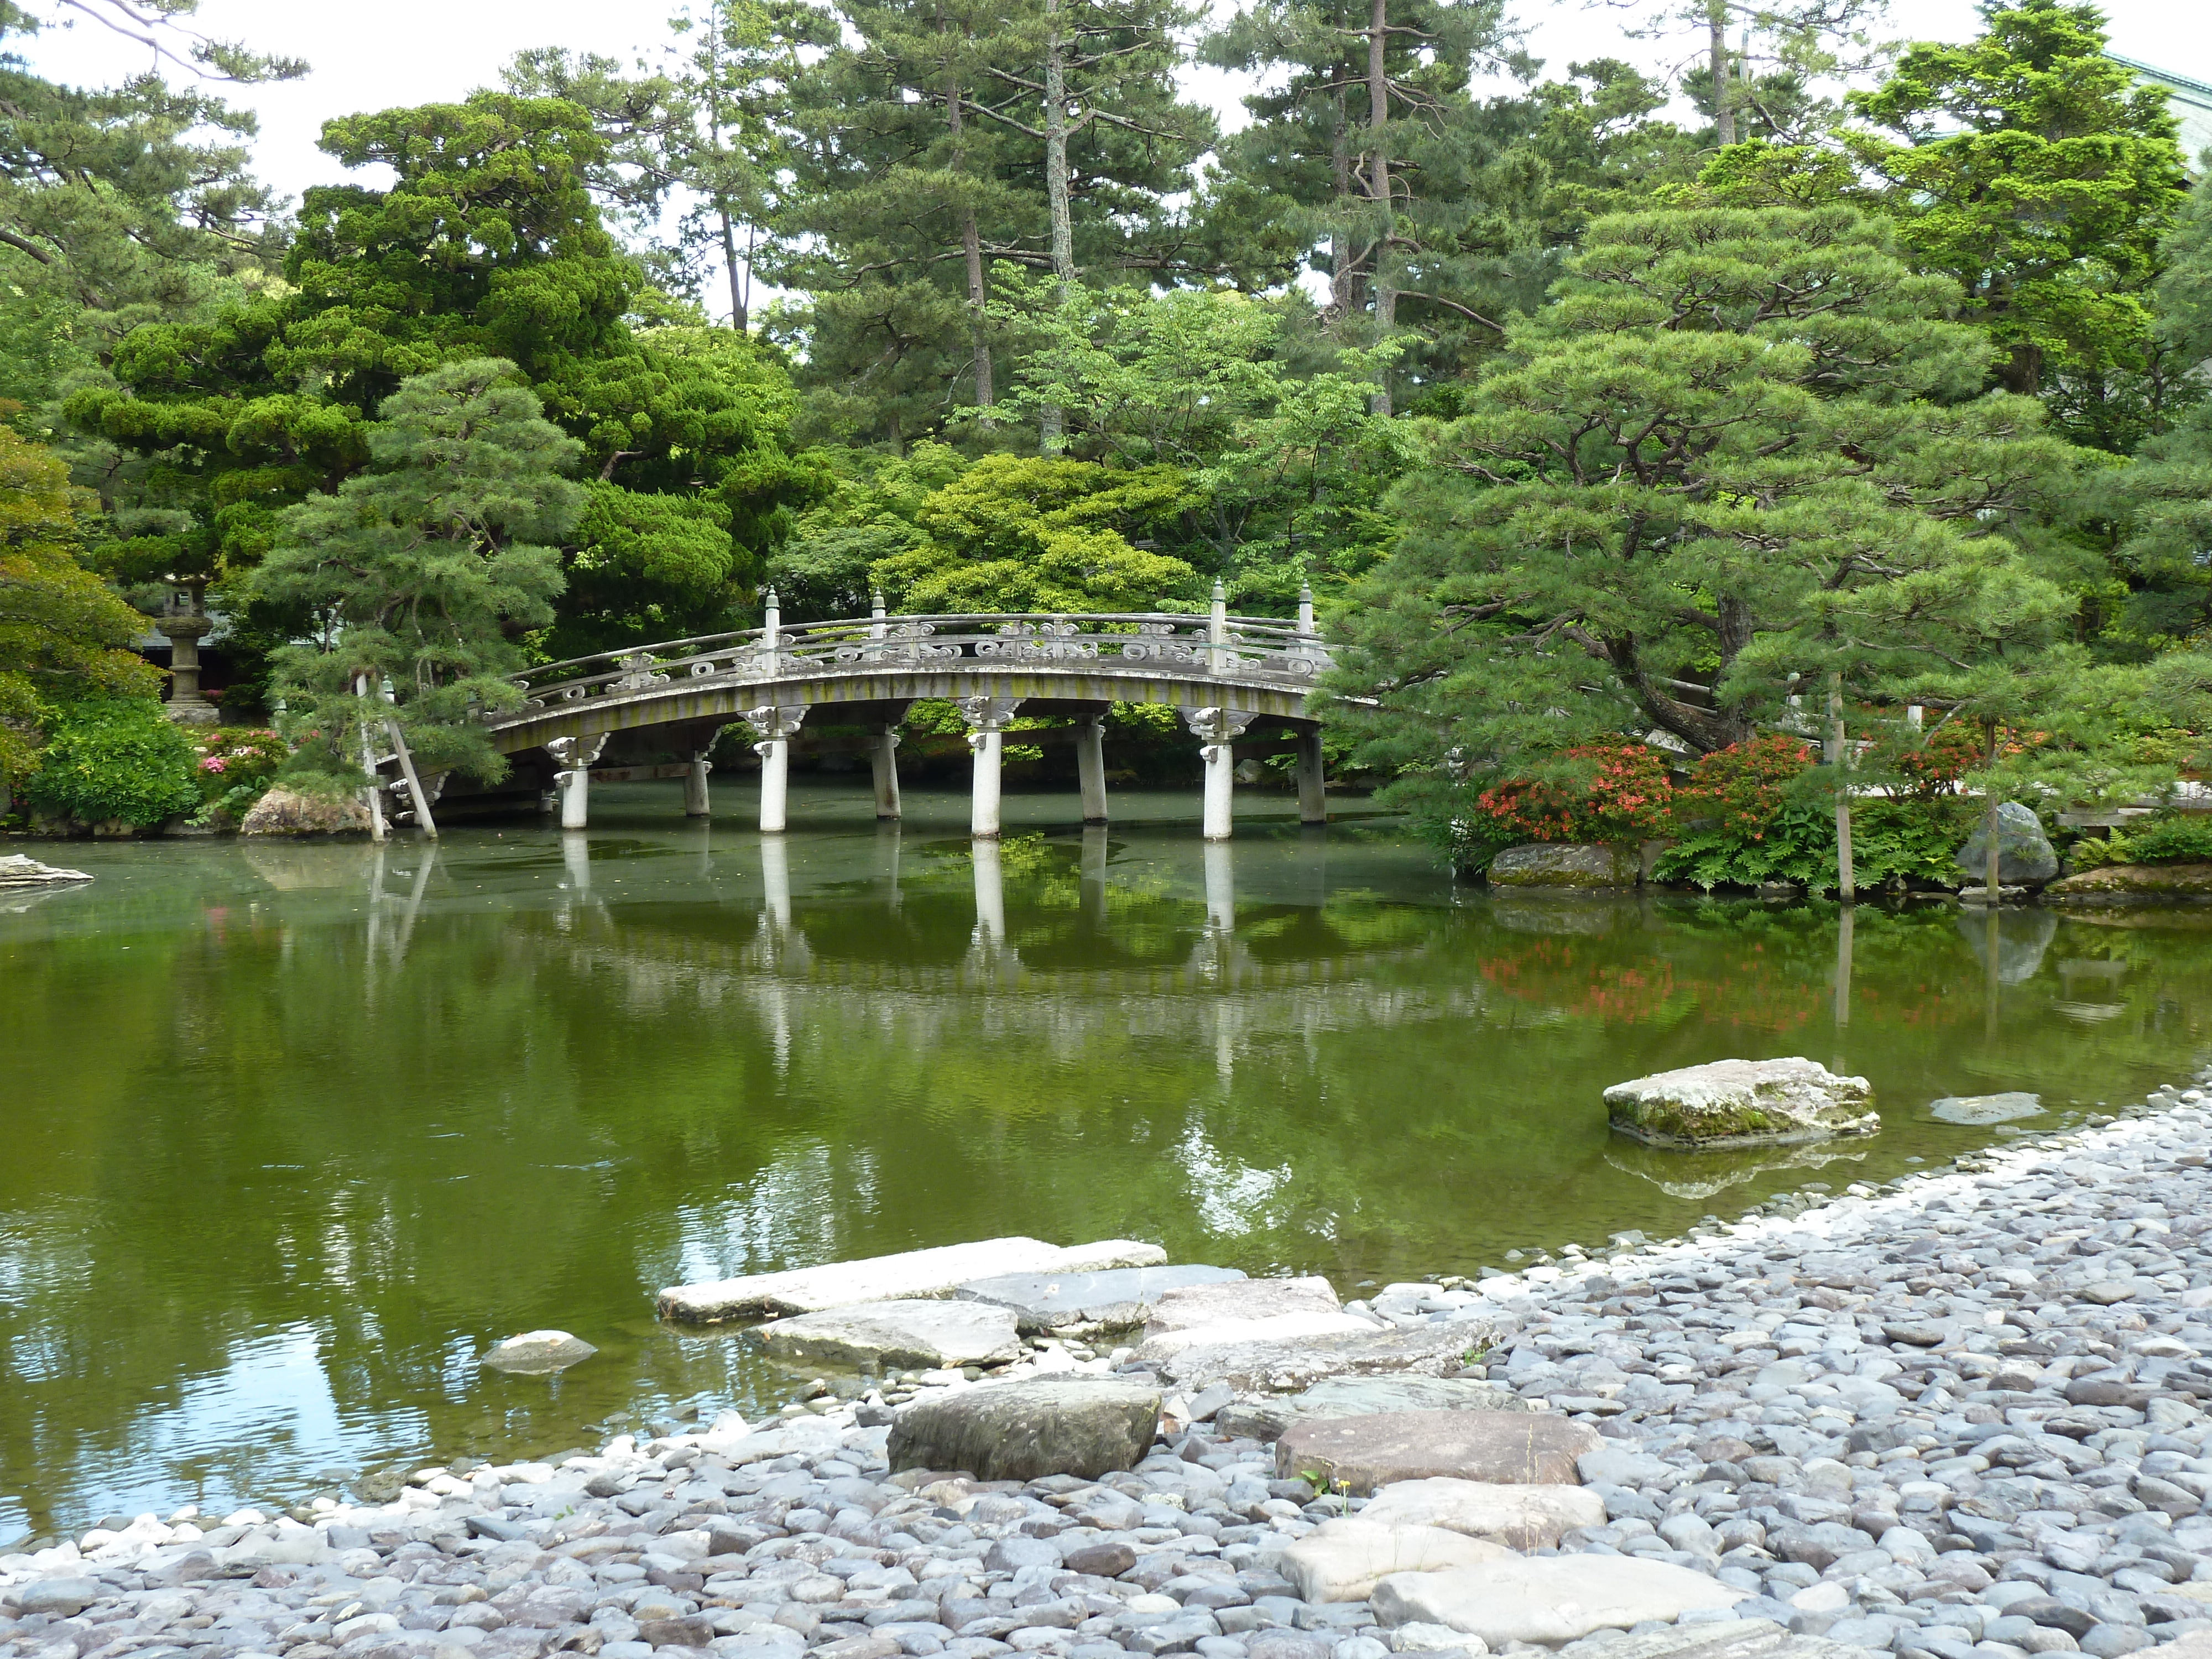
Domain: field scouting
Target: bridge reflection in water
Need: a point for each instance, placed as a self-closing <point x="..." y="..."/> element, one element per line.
<point x="1223" y="673"/>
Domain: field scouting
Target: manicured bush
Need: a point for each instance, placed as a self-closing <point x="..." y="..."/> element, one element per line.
<point x="109" y="758"/>
<point x="1747" y="816"/>
<point x="1614" y="792"/>
<point x="235" y="767"/>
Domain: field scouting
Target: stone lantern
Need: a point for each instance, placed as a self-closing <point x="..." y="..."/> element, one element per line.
<point x="186" y="625"/>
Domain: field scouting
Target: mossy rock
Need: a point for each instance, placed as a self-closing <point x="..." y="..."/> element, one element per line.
<point x="1742" y="1103"/>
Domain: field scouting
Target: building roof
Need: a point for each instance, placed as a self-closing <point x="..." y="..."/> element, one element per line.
<point x="2191" y="102"/>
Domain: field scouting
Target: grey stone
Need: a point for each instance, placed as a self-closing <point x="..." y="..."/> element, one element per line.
<point x="1975" y="1109"/>
<point x="19" y="870"/>
<point x="1362" y="1396"/>
<point x="1742" y="1103"/>
<point x="903" y="1333"/>
<point x="1520" y="1517"/>
<point x="1564" y="864"/>
<point x="1287" y="1364"/>
<point x="2024" y="852"/>
<point x="909" y="1274"/>
<point x="1360" y="1454"/>
<point x="1344" y="1560"/>
<point x="536" y="1353"/>
<point x="1116" y="1296"/>
<point x="60" y="1598"/>
<point x="1548" y="1599"/>
<point x="284" y="811"/>
<point x="1031" y="1428"/>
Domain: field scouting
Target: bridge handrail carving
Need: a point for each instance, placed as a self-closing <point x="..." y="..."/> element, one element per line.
<point x="1261" y="650"/>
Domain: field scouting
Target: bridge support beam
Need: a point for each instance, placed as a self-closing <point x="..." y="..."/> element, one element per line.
<point x="883" y="758"/>
<point x="775" y="725"/>
<point x="1091" y="766"/>
<point x="1313" y="795"/>
<point x="1218" y="728"/>
<point x="987" y="718"/>
<point x="574" y="782"/>
<point x="696" y="803"/>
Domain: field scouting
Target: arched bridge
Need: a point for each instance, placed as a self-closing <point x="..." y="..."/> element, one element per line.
<point x="1222" y="672"/>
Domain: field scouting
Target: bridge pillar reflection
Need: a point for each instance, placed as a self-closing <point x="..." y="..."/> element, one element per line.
<point x="990" y="892"/>
<point x="1091" y="765"/>
<point x="1218" y="728"/>
<point x="1091" y="877"/>
<point x="775" y="725"/>
<point x="1220" y="888"/>
<point x="1313" y="795"/>
<point x="987" y="718"/>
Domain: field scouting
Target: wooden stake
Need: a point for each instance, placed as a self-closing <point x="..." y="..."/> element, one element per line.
<point x="423" y="821"/>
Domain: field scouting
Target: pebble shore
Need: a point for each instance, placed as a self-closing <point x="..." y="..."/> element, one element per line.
<point x="1965" y="1414"/>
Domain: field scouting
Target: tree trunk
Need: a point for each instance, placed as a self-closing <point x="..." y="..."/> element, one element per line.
<point x="1724" y="109"/>
<point x="1343" y="279"/>
<point x="971" y="241"/>
<point x="1378" y="187"/>
<point x="1052" y="427"/>
<point x="738" y="318"/>
<point x="1846" y="881"/>
<point x="1992" y="821"/>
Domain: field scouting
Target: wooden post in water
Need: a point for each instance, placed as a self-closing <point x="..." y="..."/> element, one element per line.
<point x="369" y="762"/>
<point x="1838" y="753"/>
<point x="416" y="793"/>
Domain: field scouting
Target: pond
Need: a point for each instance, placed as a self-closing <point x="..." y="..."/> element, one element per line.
<point x="293" y="1131"/>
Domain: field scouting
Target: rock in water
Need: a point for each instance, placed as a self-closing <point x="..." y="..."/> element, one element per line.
<point x="1742" y="1103"/>
<point x="905" y="1333"/>
<point x="936" y="1272"/>
<point x="1360" y="1454"/>
<point x="18" y="871"/>
<point x="2024" y="852"/>
<point x="537" y="1352"/>
<point x="1550" y="1599"/>
<point x="1342" y="1560"/>
<point x="2118" y="883"/>
<point x="1116" y="1296"/>
<point x="1564" y="864"/>
<point x="1363" y="1396"/>
<point x="1028" y="1430"/>
<point x="1986" y="1108"/>
<point x="1520" y="1518"/>
<point x="286" y="812"/>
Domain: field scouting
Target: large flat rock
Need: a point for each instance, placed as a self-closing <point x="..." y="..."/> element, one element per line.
<point x="1286" y="1365"/>
<point x="1363" y="1454"/>
<point x="1363" y="1396"/>
<point x="1031" y="1428"/>
<point x="1115" y="1297"/>
<point x="1742" y="1103"/>
<point x="912" y="1273"/>
<point x="1276" y="1328"/>
<point x="1342" y="1560"/>
<point x="1192" y="1307"/>
<point x="1548" y="1599"/>
<point x="908" y="1332"/>
<point x="1520" y="1516"/>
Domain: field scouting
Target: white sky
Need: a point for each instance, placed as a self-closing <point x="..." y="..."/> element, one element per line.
<point x="418" y="51"/>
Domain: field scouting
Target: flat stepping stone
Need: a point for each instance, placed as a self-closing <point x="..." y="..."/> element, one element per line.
<point x="1191" y="1306"/>
<point x="1517" y="1515"/>
<point x="1342" y="1560"/>
<point x="1361" y="1455"/>
<point x="1549" y="1599"/>
<point x="1977" y="1109"/>
<point x="1729" y="1639"/>
<point x="1363" y="1396"/>
<point x="1031" y="1428"/>
<point x="1288" y="1364"/>
<point x="1113" y="1297"/>
<point x="929" y="1334"/>
<point x="911" y="1273"/>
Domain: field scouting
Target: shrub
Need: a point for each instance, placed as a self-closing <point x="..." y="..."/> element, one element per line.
<point x="1624" y="794"/>
<point x="1914" y="838"/>
<point x="116" y="757"/>
<point x="235" y="767"/>
<point x="2166" y="838"/>
<point x="1749" y="818"/>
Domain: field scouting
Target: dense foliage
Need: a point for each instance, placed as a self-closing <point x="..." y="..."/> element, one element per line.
<point x="115" y="760"/>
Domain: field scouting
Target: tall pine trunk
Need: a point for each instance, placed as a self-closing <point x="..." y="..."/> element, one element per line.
<point x="1992" y="821"/>
<point x="1723" y="110"/>
<point x="738" y="318"/>
<point x="1846" y="880"/>
<point x="1378" y="187"/>
<point x="971" y="242"/>
<point x="1052" y="422"/>
<point x="1343" y="257"/>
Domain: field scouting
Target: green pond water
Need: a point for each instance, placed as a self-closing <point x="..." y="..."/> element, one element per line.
<point x="292" y="1133"/>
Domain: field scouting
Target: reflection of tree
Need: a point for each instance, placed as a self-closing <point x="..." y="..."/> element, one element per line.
<point x="547" y="1109"/>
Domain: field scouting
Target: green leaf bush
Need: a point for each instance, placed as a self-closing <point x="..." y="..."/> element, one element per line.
<point x="116" y="758"/>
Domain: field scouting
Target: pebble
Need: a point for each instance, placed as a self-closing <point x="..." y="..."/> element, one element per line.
<point x="1964" y="1416"/>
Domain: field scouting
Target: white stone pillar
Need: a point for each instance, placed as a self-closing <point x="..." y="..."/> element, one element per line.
<point x="1091" y="766"/>
<point x="1218" y="728"/>
<point x="576" y="757"/>
<point x="696" y="802"/>
<point x="1220" y="888"/>
<point x="990" y="891"/>
<point x="774" y="726"/>
<point x="1313" y="792"/>
<point x="987" y="718"/>
<point x="1217" y="630"/>
<point x="883" y="757"/>
<point x="1305" y="609"/>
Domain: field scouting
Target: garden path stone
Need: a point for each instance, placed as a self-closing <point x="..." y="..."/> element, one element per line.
<point x="1362" y="1396"/>
<point x="1026" y="1430"/>
<point x="911" y="1332"/>
<point x="1549" y="1599"/>
<point x="1522" y="1516"/>
<point x="1344" y="1560"/>
<point x="1113" y="1298"/>
<point x="909" y="1274"/>
<point x="1360" y="1454"/>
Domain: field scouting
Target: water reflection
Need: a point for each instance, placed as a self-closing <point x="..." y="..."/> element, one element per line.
<point x="299" y="1130"/>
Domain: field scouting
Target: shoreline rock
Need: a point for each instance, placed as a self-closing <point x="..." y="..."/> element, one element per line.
<point x="1742" y="1103"/>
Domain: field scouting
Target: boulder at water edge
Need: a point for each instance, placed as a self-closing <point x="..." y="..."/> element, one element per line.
<point x="1342" y="1559"/>
<point x="2024" y="852"/>
<point x="2118" y="883"/>
<point x="1566" y="864"/>
<point x="286" y="812"/>
<point x="537" y="1352"/>
<point x="1360" y="1454"/>
<point x="905" y="1333"/>
<point x="1742" y="1103"/>
<point x="1028" y="1430"/>
<point x="1550" y="1599"/>
<point x="1519" y="1516"/>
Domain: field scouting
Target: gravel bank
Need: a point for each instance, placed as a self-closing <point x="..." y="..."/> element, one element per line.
<point x="1964" y="1415"/>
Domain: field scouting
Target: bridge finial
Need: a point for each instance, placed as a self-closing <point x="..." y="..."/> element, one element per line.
<point x="876" y="603"/>
<point x="1305" y="608"/>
